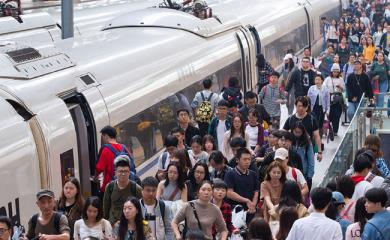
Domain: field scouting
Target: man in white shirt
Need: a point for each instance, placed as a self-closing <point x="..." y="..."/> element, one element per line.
<point x="362" y="166"/>
<point x="317" y="226"/>
<point x="293" y="174"/>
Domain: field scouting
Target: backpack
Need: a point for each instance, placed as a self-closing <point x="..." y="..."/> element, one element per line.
<point x="164" y="158"/>
<point x="122" y="152"/>
<point x="264" y="91"/>
<point x="57" y="219"/>
<point x="204" y="113"/>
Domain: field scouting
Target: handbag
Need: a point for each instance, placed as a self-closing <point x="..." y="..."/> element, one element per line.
<point x="336" y="97"/>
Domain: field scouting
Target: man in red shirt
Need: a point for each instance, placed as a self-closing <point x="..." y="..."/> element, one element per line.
<point x="105" y="163"/>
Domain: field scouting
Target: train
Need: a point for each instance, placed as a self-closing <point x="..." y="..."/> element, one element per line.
<point x="132" y="74"/>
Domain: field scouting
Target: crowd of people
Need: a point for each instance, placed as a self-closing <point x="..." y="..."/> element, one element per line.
<point x="232" y="172"/>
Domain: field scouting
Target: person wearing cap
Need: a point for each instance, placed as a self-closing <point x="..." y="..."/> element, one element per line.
<point x="118" y="190"/>
<point x="357" y="84"/>
<point x="336" y="206"/>
<point x="183" y="118"/>
<point x="47" y="224"/>
<point x="293" y="174"/>
<point x="335" y="85"/>
<point x="265" y="69"/>
<point x="301" y="79"/>
<point x="288" y="68"/>
<point x="320" y="100"/>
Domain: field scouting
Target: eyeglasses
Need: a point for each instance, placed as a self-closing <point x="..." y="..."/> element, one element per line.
<point x="305" y="61"/>
<point x="2" y="230"/>
<point x="122" y="171"/>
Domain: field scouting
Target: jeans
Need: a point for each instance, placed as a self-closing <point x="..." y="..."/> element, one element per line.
<point x="352" y="107"/>
<point x="383" y="86"/>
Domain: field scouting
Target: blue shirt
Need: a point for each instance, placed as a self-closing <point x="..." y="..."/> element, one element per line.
<point x="378" y="228"/>
<point x="244" y="184"/>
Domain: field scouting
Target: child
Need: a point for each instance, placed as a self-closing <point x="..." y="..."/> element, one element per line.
<point x="219" y="194"/>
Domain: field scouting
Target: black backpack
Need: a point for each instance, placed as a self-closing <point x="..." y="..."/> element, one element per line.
<point x="57" y="219"/>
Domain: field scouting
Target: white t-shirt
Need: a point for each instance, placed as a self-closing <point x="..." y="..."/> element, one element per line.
<point x="376" y="181"/>
<point x="360" y="189"/>
<point x="152" y="223"/>
<point x="167" y="158"/>
<point x="82" y="231"/>
<point x="300" y="178"/>
<point x="202" y="157"/>
<point x="252" y="133"/>
<point x="221" y="129"/>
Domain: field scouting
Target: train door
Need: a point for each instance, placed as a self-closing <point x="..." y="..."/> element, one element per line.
<point x="256" y="38"/>
<point x="309" y="25"/>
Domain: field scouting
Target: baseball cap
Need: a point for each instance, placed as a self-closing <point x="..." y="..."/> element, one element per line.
<point x="288" y="56"/>
<point x="281" y="153"/>
<point x="121" y="158"/>
<point x="335" y="67"/>
<point x="338" y="198"/>
<point x="45" y="193"/>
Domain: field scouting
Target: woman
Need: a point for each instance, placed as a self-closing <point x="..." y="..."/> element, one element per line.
<point x="332" y="34"/>
<point x="201" y="214"/>
<point x="290" y="197"/>
<point x="271" y="187"/>
<point x="336" y="86"/>
<point x="355" y="230"/>
<point x="287" y="218"/>
<point x="380" y="81"/>
<point x="173" y="188"/>
<point x="369" y="51"/>
<point x="334" y="209"/>
<point x="198" y="174"/>
<point x="259" y="229"/>
<point x="196" y="154"/>
<point x="373" y="143"/>
<point x="254" y="130"/>
<point x="71" y="202"/>
<point x="362" y="45"/>
<point x="378" y="35"/>
<point x="303" y="146"/>
<point x="208" y="144"/>
<point x="237" y="130"/>
<point x="131" y="225"/>
<point x="319" y="97"/>
<point x="343" y="52"/>
<point x="183" y="159"/>
<point x="92" y="225"/>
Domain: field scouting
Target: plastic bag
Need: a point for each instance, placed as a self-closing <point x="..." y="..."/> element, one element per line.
<point x="239" y="217"/>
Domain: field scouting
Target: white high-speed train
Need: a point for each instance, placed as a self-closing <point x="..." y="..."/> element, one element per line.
<point x="132" y="75"/>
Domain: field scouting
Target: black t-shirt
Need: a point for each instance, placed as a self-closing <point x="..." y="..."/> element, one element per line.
<point x="308" y="121"/>
<point x="244" y="184"/>
<point x="190" y="132"/>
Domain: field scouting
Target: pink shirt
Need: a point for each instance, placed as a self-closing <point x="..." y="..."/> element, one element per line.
<point x="353" y="232"/>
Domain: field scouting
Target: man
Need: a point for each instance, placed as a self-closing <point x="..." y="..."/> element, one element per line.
<point x="250" y="99"/>
<point x="236" y="144"/>
<point x="385" y="41"/>
<point x="5" y="228"/>
<point x="183" y="117"/>
<point x="324" y="29"/>
<point x="307" y="53"/>
<point x="362" y="166"/>
<point x="220" y="124"/>
<point x="310" y="123"/>
<point x="155" y="212"/>
<point x="357" y="84"/>
<point x="108" y="152"/>
<point x="243" y="184"/>
<point x="204" y="105"/>
<point x="302" y="79"/>
<point x="119" y="190"/>
<point x="179" y="133"/>
<point x="218" y="163"/>
<point x="47" y="224"/>
<point x="317" y="226"/>
<point x="378" y="226"/>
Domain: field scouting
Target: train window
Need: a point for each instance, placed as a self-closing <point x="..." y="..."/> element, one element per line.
<point x="295" y="40"/>
<point x="67" y="165"/>
<point x="143" y="133"/>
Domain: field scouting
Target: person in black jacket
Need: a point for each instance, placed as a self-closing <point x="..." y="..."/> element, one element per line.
<point x="251" y="102"/>
<point x="302" y="79"/>
<point x="357" y="84"/>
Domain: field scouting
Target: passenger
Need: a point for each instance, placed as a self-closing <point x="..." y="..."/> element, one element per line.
<point x="290" y="197"/>
<point x="269" y="147"/>
<point x="170" y="144"/>
<point x="131" y="225"/>
<point x="380" y="71"/>
<point x="198" y="174"/>
<point x="5" y="228"/>
<point x="378" y="34"/>
<point x="237" y="130"/>
<point x="348" y="67"/>
<point x="108" y="152"/>
<point x="343" y="50"/>
<point x="354" y="231"/>
<point x="310" y="123"/>
<point x="183" y="117"/>
<point x="334" y="209"/>
<point x="376" y="181"/>
<point x="378" y="226"/>
<point x="205" y="104"/>
<point x="272" y="97"/>
<point x="325" y="25"/>
<point x="201" y="214"/>
<point x="373" y="143"/>
<point x="287" y="218"/>
<point x="47" y="224"/>
<point x="219" y="195"/>
<point x="71" y="202"/>
<point x="332" y="35"/>
<point x="195" y="234"/>
<point x="218" y="163"/>
<point x="232" y="93"/>
<point x="307" y="53"/>
<point x="243" y="184"/>
<point x="362" y="167"/>
<point x="156" y="212"/>
<point x="220" y="124"/>
<point x="369" y="51"/>
<point x="287" y="70"/>
<point x="302" y="79"/>
<point x="117" y="191"/>
<point x="196" y="154"/>
<point x="335" y="85"/>
<point x="365" y="20"/>
<point x="265" y="70"/>
<point x="259" y="229"/>
<point x="251" y="102"/>
<point x="173" y="188"/>
<point x="235" y="144"/>
<point x="182" y="158"/>
<point x="327" y="60"/>
<point x="179" y="133"/>
<point x="255" y="131"/>
<point x="271" y="187"/>
<point x="208" y="144"/>
<point x="317" y="225"/>
<point x="92" y="225"/>
<point x="384" y="41"/>
<point x="346" y="186"/>
<point x="303" y="146"/>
